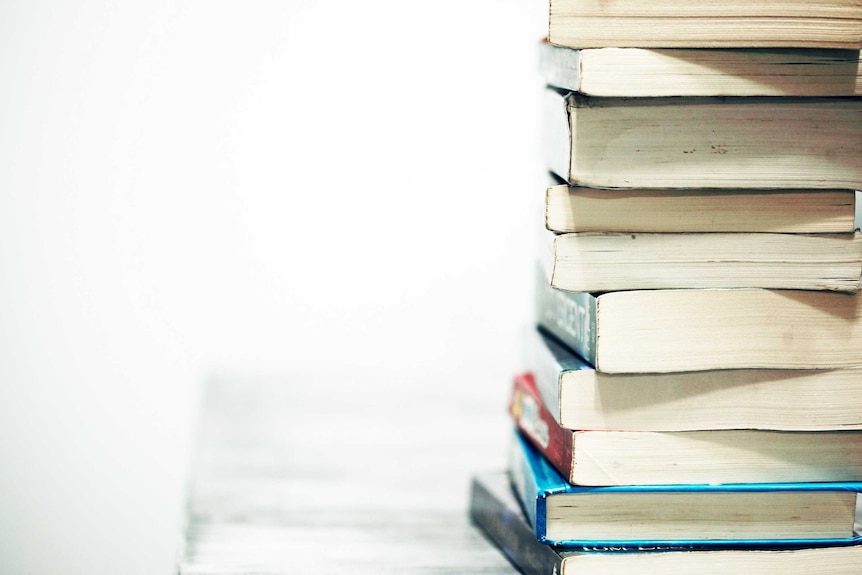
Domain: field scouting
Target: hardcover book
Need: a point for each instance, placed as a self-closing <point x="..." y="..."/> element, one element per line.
<point x="674" y="330"/>
<point x="639" y="72"/>
<point x="704" y="142"/>
<point x="702" y="515"/>
<point x="494" y="510"/>
<point x="615" y="261"/>
<point x="579" y="397"/>
<point x="577" y="209"/>
<point x="726" y="24"/>
<point x="602" y="458"/>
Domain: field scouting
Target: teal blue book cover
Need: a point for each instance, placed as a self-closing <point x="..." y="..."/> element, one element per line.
<point x="756" y="515"/>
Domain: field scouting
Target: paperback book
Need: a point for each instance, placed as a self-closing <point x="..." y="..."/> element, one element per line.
<point x="494" y="510"/>
<point x="615" y="261"/>
<point x="577" y="209"/>
<point x="701" y="515"/>
<point x="579" y="397"/>
<point x="704" y="142"/>
<point x="726" y="24"/>
<point x="642" y="72"/>
<point x="672" y="330"/>
<point x="603" y="458"/>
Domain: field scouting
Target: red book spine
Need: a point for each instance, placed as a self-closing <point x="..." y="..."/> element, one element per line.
<point x="538" y="425"/>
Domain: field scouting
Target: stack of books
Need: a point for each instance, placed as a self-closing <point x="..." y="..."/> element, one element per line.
<point x="692" y="392"/>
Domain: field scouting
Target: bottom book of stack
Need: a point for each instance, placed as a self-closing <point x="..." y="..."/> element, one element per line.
<point x="495" y="509"/>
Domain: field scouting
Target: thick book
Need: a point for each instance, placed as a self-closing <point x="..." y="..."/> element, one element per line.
<point x="704" y="142"/>
<point x="703" y="515"/>
<point x="494" y="510"/>
<point x="578" y="209"/>
<point x="615" y="261"/>
<point x="603" y="458"/>
<point x="640" y="72"/>
<point x="579" y="397"/>
<point x="671" y="330"/>
<point x="725" y="24"/>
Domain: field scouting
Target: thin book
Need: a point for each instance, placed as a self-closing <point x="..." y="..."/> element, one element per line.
<point x="725" y="24"/>
<point x="615" y="261"/>
<point x="656" y="72"/>
<point x="578" y="209"/>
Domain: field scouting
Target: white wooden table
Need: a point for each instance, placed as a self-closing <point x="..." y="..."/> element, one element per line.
<point x="316" y="474"/>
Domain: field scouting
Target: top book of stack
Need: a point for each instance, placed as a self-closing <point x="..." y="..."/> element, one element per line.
<point x="706" y="23"/>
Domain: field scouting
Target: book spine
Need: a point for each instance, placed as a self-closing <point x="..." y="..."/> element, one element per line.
<point x="544" y="369"/>
<point x="540" y="427"/>
<point x="560" y="67"/>
<point x="857" y="214"/>
<point x="505" y="527"/>
<point x="556" y="135"/>
<point x="569" y="316"/>
<point x="526" y="488"/>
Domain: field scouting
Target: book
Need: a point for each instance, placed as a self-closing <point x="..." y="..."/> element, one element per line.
<point x="579" y="397"/>
<point x="704" y="142"/>
<point x="671" y="330"/>
<point x="496" y="512"/>
<point x="641" y="72"/>
<point x="703" y="515"/>
<point x="578" y="209"/>
<point x="726" y="24"/>
<point x="602" y="458"/>
<point x="611" y="261"/>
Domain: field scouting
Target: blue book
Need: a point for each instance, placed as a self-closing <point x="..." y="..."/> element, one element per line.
<point x="740" y="515"/>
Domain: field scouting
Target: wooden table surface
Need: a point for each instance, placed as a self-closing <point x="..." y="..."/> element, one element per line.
<point x="341" y="474"/>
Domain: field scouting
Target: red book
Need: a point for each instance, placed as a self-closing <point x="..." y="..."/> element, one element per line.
<point x="605" y="458"/>
<point x="536" y="422"/>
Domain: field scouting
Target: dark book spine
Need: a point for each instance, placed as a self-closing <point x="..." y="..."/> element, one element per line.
<point x="568" y="316"/>
<point x="539" y="426"/>
<point x="505" y="526"/>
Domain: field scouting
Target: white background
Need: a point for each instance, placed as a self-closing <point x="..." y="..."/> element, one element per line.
<point x="198" y="187"/>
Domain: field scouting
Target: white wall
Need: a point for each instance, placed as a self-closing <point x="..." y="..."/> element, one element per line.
<point x="195" y="186"/>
